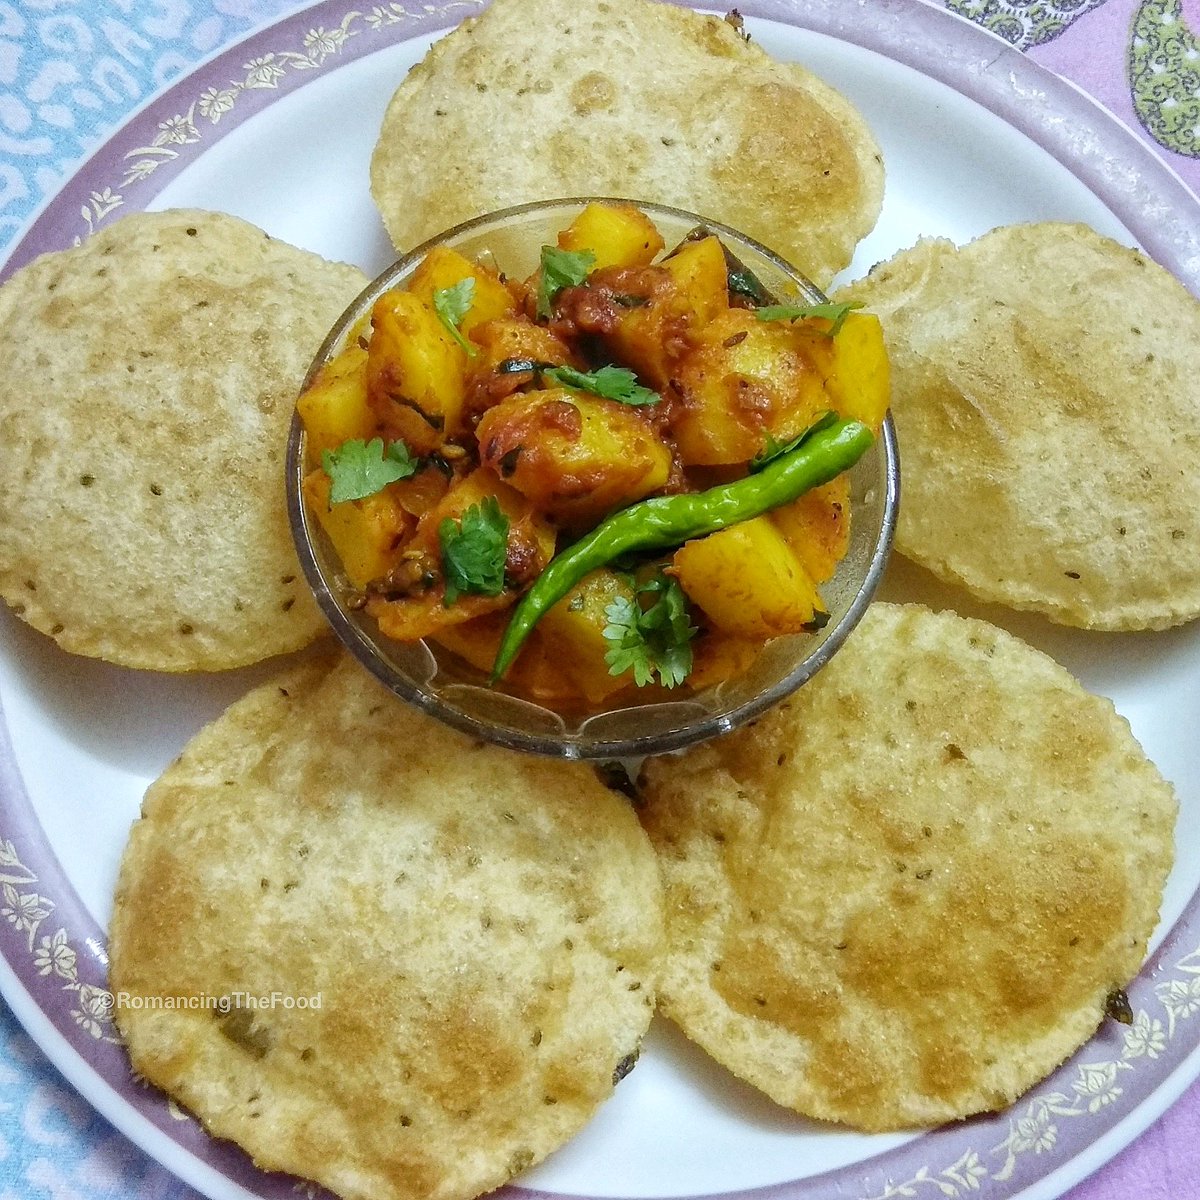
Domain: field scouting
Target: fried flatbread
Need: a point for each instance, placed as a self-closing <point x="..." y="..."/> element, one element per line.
<point x="1047" y="408"/>
<point x="147" y="379"/>
<point x="480" y="929"/>
<point x="904" y="895"/>
<point x="535" y="99"/>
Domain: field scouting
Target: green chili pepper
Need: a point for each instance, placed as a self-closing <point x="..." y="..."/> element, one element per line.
<point x="665" y="521"/>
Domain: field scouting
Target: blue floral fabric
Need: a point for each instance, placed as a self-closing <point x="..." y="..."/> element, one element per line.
<point x="71" y="71"/>
<point x="54" y="1145"/>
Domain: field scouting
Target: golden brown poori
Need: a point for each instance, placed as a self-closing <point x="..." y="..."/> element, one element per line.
<point x="905" y="895"/>
<point x="481" y="930"/>
<point x="147" y="379"/>
<point x="1046" y="404"/>
<point x="534" y="99"/>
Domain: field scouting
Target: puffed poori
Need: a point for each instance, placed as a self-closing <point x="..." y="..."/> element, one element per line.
<point x="147" y="380"/>
<point x="481" y="931"/>
<point x="906" y="894"/>
<point x="1046" y="403"/>
<point x="534" y="99"/>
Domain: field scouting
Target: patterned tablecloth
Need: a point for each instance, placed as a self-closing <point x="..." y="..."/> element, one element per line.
<point x="70" y="73"/>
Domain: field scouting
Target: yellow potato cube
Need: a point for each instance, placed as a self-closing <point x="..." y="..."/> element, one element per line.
<point x="367" y="534"/>
<point x="516" y="337"/>
<point x="573" y="633"/>
<point x="574" y="455"/>
<point x="747" y="582"/>
<point x="650" y="337"/>
<point x="563" y="660"/>
<point x="619" y="235"/>
<point x="859" y="377"/>
<point x="443" y="268"/>
<point x="745" y="379"/>
<point x="415" y="372"/>
<point x="702" y="279"/>
<point x="335" y="409"/>
<point x="717" y="656"/>
<point x="530" y="546"/>
<point x="817" y="527"/>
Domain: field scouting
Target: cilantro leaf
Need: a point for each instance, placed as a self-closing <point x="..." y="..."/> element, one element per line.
<point x="650" y="640"/>
<point x="560" y="269"/>
<point x="628" y="649"/>
<point x="774" y="448"/>
<point x="452" y="304"/>
<point x="358" y="469"/>
<point x="837" y="313"/>
<point x="474" y="550"/>
<point x="611" y="382"/>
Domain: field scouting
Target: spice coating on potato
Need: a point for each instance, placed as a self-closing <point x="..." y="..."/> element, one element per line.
<point x="745" y="379"/>
<point x="576" y="456"/>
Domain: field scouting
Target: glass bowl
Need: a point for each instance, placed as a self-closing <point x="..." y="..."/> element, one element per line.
<point x="441" y="684"/>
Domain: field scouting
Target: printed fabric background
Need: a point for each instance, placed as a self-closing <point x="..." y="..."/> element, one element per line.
<point x="71" y="71"/>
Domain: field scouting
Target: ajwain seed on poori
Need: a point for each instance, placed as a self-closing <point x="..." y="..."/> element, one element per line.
<point x="147" y="379"/>
<point x="906" y="894"/>
<point x="483" y="929"/>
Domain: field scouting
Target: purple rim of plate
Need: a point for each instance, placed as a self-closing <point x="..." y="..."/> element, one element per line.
<point x="994" y="1157"/>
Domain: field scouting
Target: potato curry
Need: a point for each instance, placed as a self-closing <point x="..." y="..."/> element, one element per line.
<point x="624" y="472"/>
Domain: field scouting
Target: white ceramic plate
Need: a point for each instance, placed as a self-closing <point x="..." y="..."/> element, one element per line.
<point x="279" y="131"/>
